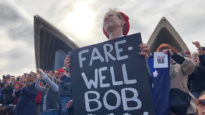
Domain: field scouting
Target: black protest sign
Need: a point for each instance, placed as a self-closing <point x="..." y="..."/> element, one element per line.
<point x="111" y="78"/>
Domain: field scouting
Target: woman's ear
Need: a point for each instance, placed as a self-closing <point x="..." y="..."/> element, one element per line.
<point x="122" y="23"/>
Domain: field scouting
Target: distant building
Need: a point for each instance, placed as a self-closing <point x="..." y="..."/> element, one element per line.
<point x="165" y="33"/>
<point x="51" y="46"/>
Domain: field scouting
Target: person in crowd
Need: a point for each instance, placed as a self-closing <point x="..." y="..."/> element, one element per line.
<point x="115" y="25"/>
<point x="195" y="57"/>
<point x="51" y="94"/>
<point x="26" y="104"/>
<point x="22" y="80"/>
<point x="1" y="87"/>
<point x="13" y="79"/>
<point x="56" y="74"/>
<point x="7" y="91"/>
<point x="180" y="68"/>
<point x="17" y="87"/>
<point x="197" y="79"/>
<point x="38" y="103"/>
<point x="64" y="83"/>
<point x="50" y="73"/>
<point x="201" y="104"/>
<point x="187" y="54"/>
<point x="17" y="78"/>
<point x="38" y="98"/>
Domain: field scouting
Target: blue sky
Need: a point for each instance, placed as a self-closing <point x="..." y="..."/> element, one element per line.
<point x="81" y="20"/>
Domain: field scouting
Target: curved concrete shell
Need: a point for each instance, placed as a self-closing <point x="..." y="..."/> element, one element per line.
<point x="165" y="33"/>
<point x="51" y="45"/>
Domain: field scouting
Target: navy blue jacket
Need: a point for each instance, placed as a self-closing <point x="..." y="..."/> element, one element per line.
<point x="197" y="78"/>
<point x="65" y="87"/>
<point x="26" y="103"/>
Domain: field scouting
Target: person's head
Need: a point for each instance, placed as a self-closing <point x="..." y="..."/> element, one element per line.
<point x="163" y="46"/>
<point x="195" y="57"/>
<point x="31" y="78"/>
<point x="187" y="54"/>
<point x="8" y="79"/>
<point x="17" y="85"/>
<point x="114" y="20"/>
<point x="61" y="72"/>
<point x="56" y="74"/>
<point x="50" y="73"/>
<point x="201" y="104"/>
<point x="13" y="79"/>
<point x="33" y="73"/>
<point x="22" y="79"/>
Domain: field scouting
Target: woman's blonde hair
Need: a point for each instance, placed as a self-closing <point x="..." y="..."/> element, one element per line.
<point x="115" y="11"/>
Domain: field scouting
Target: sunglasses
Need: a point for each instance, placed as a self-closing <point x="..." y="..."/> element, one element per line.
<point x="201" y="102"/>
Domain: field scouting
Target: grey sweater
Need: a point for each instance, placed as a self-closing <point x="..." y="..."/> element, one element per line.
<point x="51" y="93"/>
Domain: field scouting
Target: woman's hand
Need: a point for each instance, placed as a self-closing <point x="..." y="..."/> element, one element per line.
<point x="67" y="62"/>
<point x="69" y="104"/>
<point x="144" y="50"/>
<point x="40" y="71"/>
<point x="198" y="46"/>
<point x="168" y="51"/>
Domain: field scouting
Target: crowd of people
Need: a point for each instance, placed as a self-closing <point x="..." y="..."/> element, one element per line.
<point x="49" y="92"/>
<point x="42" y="93"/>
<point x="187" y="80"/>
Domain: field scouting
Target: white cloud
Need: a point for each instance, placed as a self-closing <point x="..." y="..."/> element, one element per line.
<point x="15" y="56"/>
<point x="16" y="29"/>
<point x="80" y="22"/>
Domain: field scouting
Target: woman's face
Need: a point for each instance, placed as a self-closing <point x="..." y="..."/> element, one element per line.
<point x="201" y="105"/>
<point x="30" y="79"/>
<point x="61" y="74"/>
<point x="50" y="73"/>
<point x="111" y="21"/>
<point x="8" y="81"/>
<point x="195" y="57"/>
<point x="17" y="86"/>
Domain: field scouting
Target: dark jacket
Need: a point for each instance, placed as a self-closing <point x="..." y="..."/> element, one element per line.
<point x="7" y="95"/>
<point x="16" y="98"/>
<point x="26" y="103"/>
<point x="197" y="78"/>
<point x="65" y="87"/>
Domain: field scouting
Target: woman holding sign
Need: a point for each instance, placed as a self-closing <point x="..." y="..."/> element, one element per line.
<point x="115" y="25"/>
